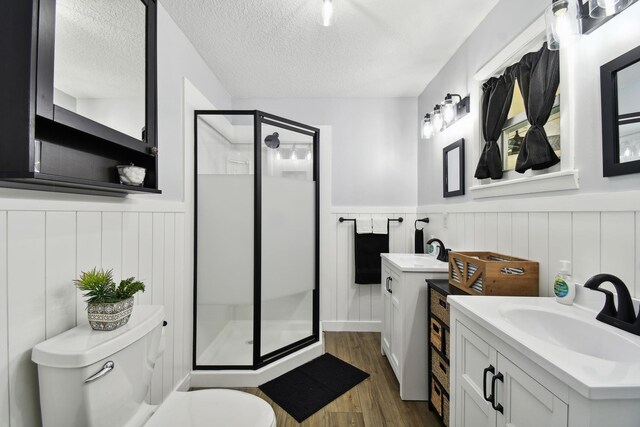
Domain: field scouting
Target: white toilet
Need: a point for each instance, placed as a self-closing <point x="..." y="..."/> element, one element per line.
<point x="94" y="379"/>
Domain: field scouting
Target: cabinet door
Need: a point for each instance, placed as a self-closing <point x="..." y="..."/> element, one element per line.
<point x="385" y="341"/>
<point x="474" y="356"/>
<point x="526" y="403"/>
<point x="395" y="288"/>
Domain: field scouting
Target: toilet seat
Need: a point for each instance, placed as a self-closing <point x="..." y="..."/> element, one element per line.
<point x="214" y="407"/>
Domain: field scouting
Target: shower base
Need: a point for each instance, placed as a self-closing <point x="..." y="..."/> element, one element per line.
<point x="234" y="344"/>
<point x="231" y="348"/>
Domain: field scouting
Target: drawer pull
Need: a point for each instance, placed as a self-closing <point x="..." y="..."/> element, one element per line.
<point x="491" y="370"/>
<point x="443" y="303"/>
<point x="497" y="406"/>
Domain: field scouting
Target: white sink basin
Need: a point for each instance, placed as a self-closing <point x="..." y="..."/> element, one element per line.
<point x="417" y="262"/>
<point x="572" y="333"/>
<point x="595" y="359"/>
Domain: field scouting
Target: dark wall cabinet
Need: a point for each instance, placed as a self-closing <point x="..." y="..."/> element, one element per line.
<point x="47" y="144"/>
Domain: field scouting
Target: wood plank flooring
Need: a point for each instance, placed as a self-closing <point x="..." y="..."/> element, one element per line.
<point x="375" y="402"/>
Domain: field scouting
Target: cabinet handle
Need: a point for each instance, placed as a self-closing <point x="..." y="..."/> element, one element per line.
<point x="491" y="370"/>
<point x="497" y="406"/>
<point x="389" y="284"/>
<point x="442" y="304"/>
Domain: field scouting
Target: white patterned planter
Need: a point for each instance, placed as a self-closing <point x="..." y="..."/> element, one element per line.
<point x="109" y="316"/>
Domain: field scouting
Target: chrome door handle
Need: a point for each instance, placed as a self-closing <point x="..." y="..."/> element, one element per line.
<point x="108" y="367"/>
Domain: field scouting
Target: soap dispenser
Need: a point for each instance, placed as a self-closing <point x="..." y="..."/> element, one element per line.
<point x="563" y="286"/>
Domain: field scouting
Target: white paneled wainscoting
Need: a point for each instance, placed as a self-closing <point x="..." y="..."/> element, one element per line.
<point x="594" y="241"/>
<point x="345" y="305"/>
<point x="42" y="251"/>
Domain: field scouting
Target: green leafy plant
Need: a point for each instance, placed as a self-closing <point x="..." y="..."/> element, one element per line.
<point x="99" y="288"/>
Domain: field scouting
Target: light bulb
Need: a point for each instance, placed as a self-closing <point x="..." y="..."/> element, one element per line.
<point x="427" y="127"/>
<point x="294" y="156"/>
<point x="309" y="154"/>
<point x="604" y="8"/>
<point x="627" y="152"/>
<point x="437" y="119"/>
<point x="327" y="12"/>
<point x="278" y="154"/>
<point x="563" y="23"/>
<point x="449" y="111"/>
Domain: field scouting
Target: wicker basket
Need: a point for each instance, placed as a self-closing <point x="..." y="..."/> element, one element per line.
<point x="436" y="397"/>
<point x="436" y="334"/>
<point x="440" y="368"/>
<point x="490" y="273"/>
<point x="109" y="316"/>
<point x="445" y="410"/>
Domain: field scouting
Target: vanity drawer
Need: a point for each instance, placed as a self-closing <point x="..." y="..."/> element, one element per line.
<point x="435" y="334"/>
<point x="436" y="397"/>
<point x="440" y="369"/>
<point x="439" y="306"/>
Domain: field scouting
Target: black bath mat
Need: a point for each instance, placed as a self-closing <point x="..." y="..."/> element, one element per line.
<point x="310" y="387"/>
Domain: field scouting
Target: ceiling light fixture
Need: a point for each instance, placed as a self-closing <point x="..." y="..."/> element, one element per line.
<point x="327" y="12"/>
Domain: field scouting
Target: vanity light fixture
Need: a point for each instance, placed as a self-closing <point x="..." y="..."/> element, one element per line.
<point x="452" y="111"/>
<point x="566" y="20"/>
<point x="437" y="119"/>
<point x="563" y="22"/>
<point x="427" y="127"/>
<point x="605" y="8"/>
<point x="327" y="13"/>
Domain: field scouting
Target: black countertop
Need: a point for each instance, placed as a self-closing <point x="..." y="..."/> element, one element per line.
<point x="443" y="286"/>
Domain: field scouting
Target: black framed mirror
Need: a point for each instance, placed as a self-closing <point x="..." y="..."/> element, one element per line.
<point x="97" y="68"/>
<point x="620" y="87"/>
<point x="453" y="169"/>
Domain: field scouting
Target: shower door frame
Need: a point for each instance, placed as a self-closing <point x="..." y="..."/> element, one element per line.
<point x="259" y="118"/>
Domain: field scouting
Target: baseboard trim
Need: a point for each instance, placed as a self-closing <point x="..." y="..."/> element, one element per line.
<point x="351" y="326"/>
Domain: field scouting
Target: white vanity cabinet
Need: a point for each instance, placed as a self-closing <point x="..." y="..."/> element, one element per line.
<point x="497" y="382"/>
<point x="490" y="390"/>
<point x="404" y="337"/>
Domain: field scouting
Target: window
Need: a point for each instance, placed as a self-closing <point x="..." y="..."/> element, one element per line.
<point x="517" y="125"/>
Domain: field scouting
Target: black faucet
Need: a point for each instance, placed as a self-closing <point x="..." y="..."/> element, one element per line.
<point x="623" y="317"/>
<point x="443" y="254"/>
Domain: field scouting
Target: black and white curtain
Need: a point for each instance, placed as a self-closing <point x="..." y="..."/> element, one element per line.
<point x="538" y="75"/>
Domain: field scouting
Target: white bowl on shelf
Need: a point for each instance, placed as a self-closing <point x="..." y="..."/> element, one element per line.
<point x="131" y="175"/>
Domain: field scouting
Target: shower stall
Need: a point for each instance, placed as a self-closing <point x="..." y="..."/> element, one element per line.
<point x="256" y="296"/>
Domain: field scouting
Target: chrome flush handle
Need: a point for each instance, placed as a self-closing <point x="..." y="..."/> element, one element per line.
<point x="108" y="367"/>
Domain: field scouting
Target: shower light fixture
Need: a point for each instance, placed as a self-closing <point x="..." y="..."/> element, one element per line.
<point x="327" y="12"/>
<point x="427" y="127"/>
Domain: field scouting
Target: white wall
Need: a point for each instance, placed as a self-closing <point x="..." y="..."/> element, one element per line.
<point x="46" y="239"/>
<point x="373" y="145"/>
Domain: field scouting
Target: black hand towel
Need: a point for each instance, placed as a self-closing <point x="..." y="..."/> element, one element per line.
<point x="419" y="245"/>
<point x="368" y="248"/>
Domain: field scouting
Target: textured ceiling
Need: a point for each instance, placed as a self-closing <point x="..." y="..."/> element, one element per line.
<point x="100" y="48"/>
<point x="376" y="48"/>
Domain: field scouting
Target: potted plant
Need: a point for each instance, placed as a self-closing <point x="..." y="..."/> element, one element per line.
<point x="108" y="306"/>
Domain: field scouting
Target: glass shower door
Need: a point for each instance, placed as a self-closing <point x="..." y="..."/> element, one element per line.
<point x="289" y="236"/>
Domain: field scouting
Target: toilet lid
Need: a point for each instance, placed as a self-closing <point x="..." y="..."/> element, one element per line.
<point x="215" y="407"/>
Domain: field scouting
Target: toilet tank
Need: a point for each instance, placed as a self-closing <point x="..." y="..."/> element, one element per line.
<point x="69" y="397"/>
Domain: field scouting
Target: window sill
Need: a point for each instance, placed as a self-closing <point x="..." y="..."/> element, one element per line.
<point x="555" y="181"/>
